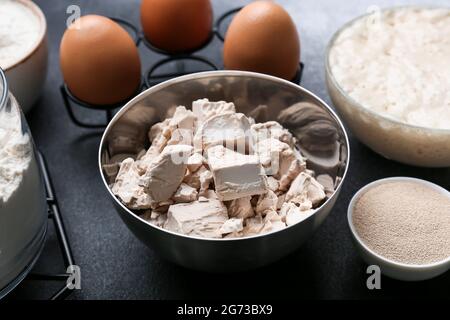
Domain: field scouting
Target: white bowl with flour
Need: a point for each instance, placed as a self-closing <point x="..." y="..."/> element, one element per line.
<point x="387" y="75"/>
<point x="23" y="208"/>
<point x="402" y="225"/>
<point x="23" y="49"/>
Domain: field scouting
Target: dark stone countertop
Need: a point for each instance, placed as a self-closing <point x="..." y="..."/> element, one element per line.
<point x="115" y="265"/>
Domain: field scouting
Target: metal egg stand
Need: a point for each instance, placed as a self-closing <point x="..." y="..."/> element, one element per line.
<point x="151" y="77"/>
<point x="54" y="215"/>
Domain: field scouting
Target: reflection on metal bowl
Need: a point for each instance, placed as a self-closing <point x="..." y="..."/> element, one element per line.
<point x="321" y="137"/>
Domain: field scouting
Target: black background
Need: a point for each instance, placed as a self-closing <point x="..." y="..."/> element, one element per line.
<point x="115" y="265"/>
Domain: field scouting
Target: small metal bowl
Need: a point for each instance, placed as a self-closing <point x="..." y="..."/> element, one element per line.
<point x="320" y="134"/>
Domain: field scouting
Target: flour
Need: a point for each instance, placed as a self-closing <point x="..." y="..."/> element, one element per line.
<point x="23" y="209"/>
<point x="405" y="222"/>
<point x="398" y="65"/>
<point x="15" y="153"/>
<point x="19" y="32"/>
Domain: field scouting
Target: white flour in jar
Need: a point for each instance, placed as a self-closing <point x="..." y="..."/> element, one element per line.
<point x="19" y="32"/>
<point x="23" y="209"/>
<point x="397" y="63"/>
<point x="15" y="153"/>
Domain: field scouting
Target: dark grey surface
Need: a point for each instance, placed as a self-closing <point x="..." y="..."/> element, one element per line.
<point x="115" y="265"/>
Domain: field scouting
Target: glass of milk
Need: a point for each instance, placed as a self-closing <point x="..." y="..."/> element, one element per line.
<point x="23" y="208"/>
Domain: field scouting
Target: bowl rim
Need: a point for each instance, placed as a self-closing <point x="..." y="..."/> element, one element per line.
<point x="362" y="244"/>
<point x="43" y="31"/>
<point x="206" y="74"/>
<point x="359" y="105"/>
<point x="4" y="88"/>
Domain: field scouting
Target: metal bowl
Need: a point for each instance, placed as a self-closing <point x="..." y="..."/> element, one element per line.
<point x="321" y="138"/>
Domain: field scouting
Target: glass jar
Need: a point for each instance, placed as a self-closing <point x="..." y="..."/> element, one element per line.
<point x="23" y="208"/>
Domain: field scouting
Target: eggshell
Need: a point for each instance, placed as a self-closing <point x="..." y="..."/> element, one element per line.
<point x="176" y="25"/>
<point x="99" y="61"/>
<point x="263" y="38"/>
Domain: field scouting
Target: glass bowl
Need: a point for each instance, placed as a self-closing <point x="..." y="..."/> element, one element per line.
<point x="393" y="139"/>
<point x="23" y="207"/>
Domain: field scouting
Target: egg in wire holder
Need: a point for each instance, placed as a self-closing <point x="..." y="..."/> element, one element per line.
<point x="151" y="78"/>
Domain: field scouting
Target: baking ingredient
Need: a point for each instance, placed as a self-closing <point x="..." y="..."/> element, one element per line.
<point x="305" y="191"/>
<point x="20" y="30"/>
<point x="176" y="25"/>
<point x="185" y="193"/>
<point x="127" y="186"/>
<point x="199" y="179"/>
<point x="236" y="175"/>
<point x="195" y="161"/>
<point x="229" y="129"/>
<point x="406" y="222"/>
<point x="280" y="160"/>
<point x="15" y="153"/>
<point x="197" y="218"/>
<point x="272" y="129"/>
<point x="272" y="183"/>
<point x="233" y="179"/>
<point x="99" y="61"/>
<point x="397" y="63"/>
<point x="293" y="214"/>
<point x="267" y="202"/>
<point x="164" y="175"/>
<point x="241" y="208"/>
<point x="158" y="183"/>
<point x="233" y="225"/>
<point x="23" y="211"/>
<point x="204" y="109"/>
<point x="263" y="38"/>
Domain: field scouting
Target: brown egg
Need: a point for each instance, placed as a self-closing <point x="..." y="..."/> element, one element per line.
<point x="176" y="25"/>
<point x="263" y="38"/>
<point x="99" y="61"/>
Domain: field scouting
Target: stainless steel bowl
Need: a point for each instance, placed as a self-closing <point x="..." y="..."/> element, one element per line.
<point x="321" y="137"/>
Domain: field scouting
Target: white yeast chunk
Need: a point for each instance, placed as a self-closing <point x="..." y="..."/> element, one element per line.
<point x="230" y="129"/>
<point x="185" y="193"/>
<point x="292" y="214"/>
<point x="235" y="175"/>
<point x="204" y="109"/>
<point x="196" y="218"/>
<point x="195" y="162"/>
<point x="241" y="208"/>
<point x="305" y="189"/>
<point x="127" y="189"/>
<point x="272" y="130"/>
<point x="232" y="225"/>
<point x="165" y="173"/>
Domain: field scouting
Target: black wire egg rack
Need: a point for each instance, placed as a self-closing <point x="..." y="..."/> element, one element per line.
<point x="152" y="76"/>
